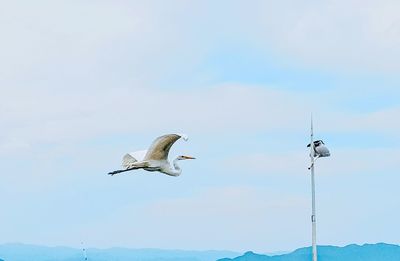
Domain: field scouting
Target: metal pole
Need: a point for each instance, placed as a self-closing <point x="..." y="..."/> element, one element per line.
<point x="313" y="215"/>
<point x="84" y="252"/>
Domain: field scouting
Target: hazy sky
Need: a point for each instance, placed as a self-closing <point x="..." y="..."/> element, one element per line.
<point x="83" y="82"/>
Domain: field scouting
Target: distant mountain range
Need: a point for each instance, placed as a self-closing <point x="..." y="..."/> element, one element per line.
<point x="23" y="252"/>
<point x="367" y="252"/>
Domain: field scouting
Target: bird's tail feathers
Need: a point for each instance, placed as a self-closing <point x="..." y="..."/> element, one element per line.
<point x="132" y="166"/>
<point x="127" y="161"/>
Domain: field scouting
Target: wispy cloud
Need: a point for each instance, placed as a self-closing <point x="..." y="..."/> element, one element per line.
<point x="231" y="216"/>
<point x="341" y="35"/>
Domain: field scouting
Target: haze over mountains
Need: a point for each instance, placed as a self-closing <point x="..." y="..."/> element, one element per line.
<point x="367" y="252"/>
<point x="24" y="252"/>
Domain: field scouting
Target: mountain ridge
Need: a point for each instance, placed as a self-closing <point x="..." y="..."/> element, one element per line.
<point x="352" y="252"/>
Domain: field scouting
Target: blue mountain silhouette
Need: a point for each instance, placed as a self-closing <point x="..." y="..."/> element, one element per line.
<point x="367" y="252"/>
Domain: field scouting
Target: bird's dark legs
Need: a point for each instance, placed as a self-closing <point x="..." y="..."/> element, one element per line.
<point x="112" y="173"/>
<point x="136" y="165"/>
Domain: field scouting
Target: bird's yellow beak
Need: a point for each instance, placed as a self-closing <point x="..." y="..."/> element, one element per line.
<point x="188" y="157"/>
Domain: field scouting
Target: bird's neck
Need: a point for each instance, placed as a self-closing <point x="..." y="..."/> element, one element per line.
<point x="176" y="171"/>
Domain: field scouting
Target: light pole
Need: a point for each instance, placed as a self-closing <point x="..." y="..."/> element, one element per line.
<point x="84" y="252"/>
<point x="317" y="150"/>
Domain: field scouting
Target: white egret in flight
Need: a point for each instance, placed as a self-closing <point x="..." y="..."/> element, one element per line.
<point x="155" y="158"/>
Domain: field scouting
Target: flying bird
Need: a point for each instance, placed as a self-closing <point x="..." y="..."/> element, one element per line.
<point x="155" y="158"/>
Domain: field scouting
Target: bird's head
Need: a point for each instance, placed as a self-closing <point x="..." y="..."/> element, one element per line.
<point x="182" y="157"/>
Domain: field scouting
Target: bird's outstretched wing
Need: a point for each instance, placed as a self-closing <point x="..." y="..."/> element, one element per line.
<point x="159" y="149"/>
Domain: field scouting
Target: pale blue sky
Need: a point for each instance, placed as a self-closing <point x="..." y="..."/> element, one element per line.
<point x="84" y="82"/>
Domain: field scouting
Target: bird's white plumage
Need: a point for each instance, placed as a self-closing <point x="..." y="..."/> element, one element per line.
<point x="138" y="155"/>
<point x="130" y="158"/>
<point x="156" y="157"/>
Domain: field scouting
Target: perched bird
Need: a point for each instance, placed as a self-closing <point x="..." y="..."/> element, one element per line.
<point x="155" y="158"/>
<point x="320" y="150"/>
